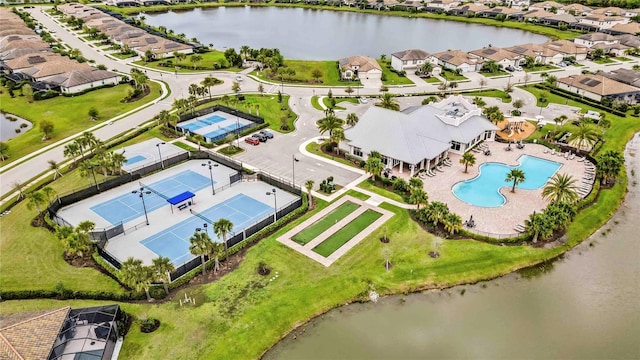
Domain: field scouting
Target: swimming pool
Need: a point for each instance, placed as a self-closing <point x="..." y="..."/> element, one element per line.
<point x="483" y="190"/>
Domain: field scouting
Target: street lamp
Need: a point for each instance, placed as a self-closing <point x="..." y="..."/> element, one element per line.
<point x="570" y="86"/>
<point x="293" y="166"/>
<point x="141" y="193"/>
<point x="206" y="231"/>
<point x="160" y="153"/>
<point x="211" y="165"/>
<point x="275" y="204"/>
<point x="91" y="166"/>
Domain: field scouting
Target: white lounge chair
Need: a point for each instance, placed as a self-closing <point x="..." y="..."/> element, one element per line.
<point x="581" y="159"/>
<point x="553" y="152"/>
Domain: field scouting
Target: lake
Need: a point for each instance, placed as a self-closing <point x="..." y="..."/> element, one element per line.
<point x="12" y="126"/>
<point x="309" y="34"/>
<point x="584" y="306"/>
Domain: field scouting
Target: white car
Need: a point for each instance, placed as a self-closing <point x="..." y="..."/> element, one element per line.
<point x="363" y="100"/>
<point x="238" y="78"/>
<point x="518" y="68"/>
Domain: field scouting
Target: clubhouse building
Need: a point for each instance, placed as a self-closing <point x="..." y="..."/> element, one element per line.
<point x="419" y="137"/>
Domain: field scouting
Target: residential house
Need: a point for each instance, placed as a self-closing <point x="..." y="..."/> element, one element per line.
<point x="534" y="15"/>
<point x="7" y="30"/>
<point x="625" y="76"/>
<point x="541" y="53"/>
<point x="616" y="49"/>
<point x="577" y="10"/>
<point x="549" y="6"/>
<point x="410" y="5"/>
<point x="456" y="60"/>
<point x="629" y="40"/>
<point x="469" y="9"/>
<point x="442" y="5"/>
<point x="502" y="57"/>
<point x="518" y="4"/>
<point x="568" y="48"/>
<point x="29" y="60"/>
<point x="597" y="87"/>
<point x="65" y="333"/>
<point x="595" y="38"/>
<point x="632" y="28"/>
<point x="78" y="80"/>
<point x="409" y="59"/>
<point x="25" y="44"/>
<point x="17" y="52"/>
<point x="502" y="12"/>
<point x="560" y="20"/>
<point x="41" y="71"/>
<point x="419" y="137"/>
<point x="603" y="21"/>
<point x="616" y="11"/>
<point x="165" y="48"/>
<point x="360" y="66"/>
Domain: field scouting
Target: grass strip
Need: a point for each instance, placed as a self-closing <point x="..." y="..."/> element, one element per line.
<point x="340" y="237"/>
<point x="326" y="222"/>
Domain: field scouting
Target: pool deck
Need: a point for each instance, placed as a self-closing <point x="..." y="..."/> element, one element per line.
<point x="497" y="221"/>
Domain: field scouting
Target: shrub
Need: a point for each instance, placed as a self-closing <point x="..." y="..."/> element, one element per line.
<point x="149" y="325"/>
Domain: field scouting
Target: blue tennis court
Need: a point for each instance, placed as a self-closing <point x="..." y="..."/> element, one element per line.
<point x="221" y="131"/>
<point x="127" y="207"/>
<point x="133" y="160"/>
<point x="241" y="210"/>
<point x="202" y="122"/>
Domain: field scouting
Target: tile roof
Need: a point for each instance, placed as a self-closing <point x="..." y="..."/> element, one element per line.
<point x="473" y="7"/>
<point x="51" y="68"/>
<point x="456" y="57"/>
<point x="602" y="18"/>
<point x="626" y="76"/>
<point x="411" y="54"/>
<point x="365" y="63"/>
<point x="32" y="338"/>
<point x="547" y="4"/>
<point x="78" y="77"/>
<point x="33" y="44"/>
<point x="598" y="84"/>
<point x="495" y="54"/>
<point x="597" y="36"/>
<point x="629" y="28"/>
<point x="17" y="52"/>
<point x="578" y="8"/>
<point x="32" y="59"/>
<point x="628" y="39"/>
<point x="537" y="14"/>
<point x="566" y="18"/>
<point x="566" y="47"/>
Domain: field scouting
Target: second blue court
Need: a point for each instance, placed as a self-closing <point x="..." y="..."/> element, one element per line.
<point x="128" y="206"/>
<point x="484" y="189"/>
<point x="242" y="210"/>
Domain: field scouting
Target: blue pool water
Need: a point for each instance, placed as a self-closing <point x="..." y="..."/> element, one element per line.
<point x="133" y="160"/>
<point x="483" y="190"/>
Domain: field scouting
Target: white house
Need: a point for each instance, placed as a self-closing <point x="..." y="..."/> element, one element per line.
<point x="362" y="67"/>
<point x="603" y="21"/>
<point x="500" y="56"/>
<point x="456" y="59"/>
<point x="568" y="48"/>
<point x="409" y="59"/>
<point x="541" y="54"/>
<point x="591" y="39"/>
<point x="83" y="79"/>
<point x="419" y="137"/>
<point x="444" y="5"/>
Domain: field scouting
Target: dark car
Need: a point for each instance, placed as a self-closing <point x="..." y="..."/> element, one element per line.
<point x="268" y="134"/>
<point x="252" y="141"/>
<point x="259" y="137"/>
<point x="510" y="68"/>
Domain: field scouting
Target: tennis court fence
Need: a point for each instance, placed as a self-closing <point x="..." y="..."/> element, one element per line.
<point x="236" y="237"/>
<point x="167" y="161"/>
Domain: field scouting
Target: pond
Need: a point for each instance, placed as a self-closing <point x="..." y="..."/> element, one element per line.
<point x="12" y="126"/>
<point x="309" y="34"/>
<point x="583" y="306"/>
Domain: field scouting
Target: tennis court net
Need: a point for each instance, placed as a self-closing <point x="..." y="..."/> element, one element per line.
<point x="153" y="190"/>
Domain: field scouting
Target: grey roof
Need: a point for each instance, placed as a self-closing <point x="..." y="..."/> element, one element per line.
<point x="411" y="54"/>
<point x="412" y="135"/>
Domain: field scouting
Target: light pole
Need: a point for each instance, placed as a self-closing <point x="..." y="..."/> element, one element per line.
<point x="141" y="193"/>
<point x="91" y="166"/>
<point x="275" y="204"/>
<point x="293" y="166"/>
<point x="237" y="130"/>
<point x="570" y="86"/>
<point x="211" y="165"/>
<point x="206" y="231"/>
<point x="160" y="153"/>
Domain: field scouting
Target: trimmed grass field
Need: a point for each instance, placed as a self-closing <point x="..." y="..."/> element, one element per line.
<point x="541" y="68"/>
<point x="273" y="112"/>
<point x="392" y="78"/>
<point x="304" y="68"/>
<point x="326" y="222"/>
<point x="186" y="66"/>
<point x="452" y="76"/>
<point x="327" y="102"/>
<point x="68" y="114"/>
<point x="371" y="186"/>
<point x="342" y="236"/>
<point x="491" y="93"/>
<point x="432" y="80"/>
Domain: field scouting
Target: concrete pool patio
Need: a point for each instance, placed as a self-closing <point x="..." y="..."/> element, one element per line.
<point x="496" y="221"/>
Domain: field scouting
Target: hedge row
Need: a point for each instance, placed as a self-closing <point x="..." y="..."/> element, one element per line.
<point x="580" y="99"/>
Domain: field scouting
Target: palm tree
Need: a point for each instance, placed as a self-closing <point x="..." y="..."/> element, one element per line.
<point x="136" y="276"/>
<point x="216" y="250"/>
<point x="558" y="121"/>
<point x="426" y="68"/>
<point x="583" y="136"/>
<point x="551" y="80"/>
<point x="418" y="196"/>
<point x="337" y="137"/>
<point x="436" y="211"/>
<point x="517" y="176"/>
<point x="329" y="123"/>
<point x="35" y="199"/>
<point x="518" y="104"/>
<point x="388" y="102"/>
<point x="221" y="228"/>
<point x="467" y="160"/>
<point x="117" y="162"/>
<point x="352" y="119"/>
<point x="537" y="226"/>
<point x="4" y="151"/>
<point x="201" y="245"/>
<point x="491" y="67"/>
<point x="415" y="182"/>
<point x="479" y="102"/>
<point x="452" y="223"/>
<point x="208" y="82"/>
<point x="19" y="187"/>
<point x="195" y="59"/>
<point x="609" y="165"/>
<point x="561" y="188"/>
<point x="162" y="268"/>
<point x="309" y="186"/>
<point x="373" y="166"/>
<point x="49" y="193"/>
<point x="53" y="165"/>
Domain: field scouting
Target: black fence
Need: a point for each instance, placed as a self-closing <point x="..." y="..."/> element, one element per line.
<point x="255" y="120"/>
<point x="167" y="162"/>
<point x="102" y="235"/>
<point x="109" y="258"/>
<point x="234" y="178"/>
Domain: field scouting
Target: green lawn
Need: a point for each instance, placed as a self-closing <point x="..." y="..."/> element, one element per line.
<point x="432" y="80"/>
<point x="494" y="74"/>
<point x="184" y="146"/>
<point x="392" y="78"/>
<point x="122" y="56"/>
<point x="342" y="236"/>
<point x="452" y="76"/>
<point x="303" y="70"/>
<point x="327" y="102"/>
<point x="326" y="222"/>
<point x="603" y="60"/>
<point x="269" y="108"/>
<point x="371" y="186"/>
<point x="316" y="103"/>
<point x="622" y="58"/>
<point x="185" y="66"/>
<point x="314" y="148"/>
<point x="491" y="93"/>
<point x="540" y="68"/>
<point x="68" y="114"/>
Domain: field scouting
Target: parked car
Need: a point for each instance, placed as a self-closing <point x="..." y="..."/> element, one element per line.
<point x="510" y="68"/>
<point x="260" y="137"/>
<point x="251" y="140"/>
<point x="518" y="68"/>
<point x="363" y="100"/>
<point x="266" y="133"/>
<point x="239" y="78"/>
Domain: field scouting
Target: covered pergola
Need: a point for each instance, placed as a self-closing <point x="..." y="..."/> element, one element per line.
<point x="182" y="200"/>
